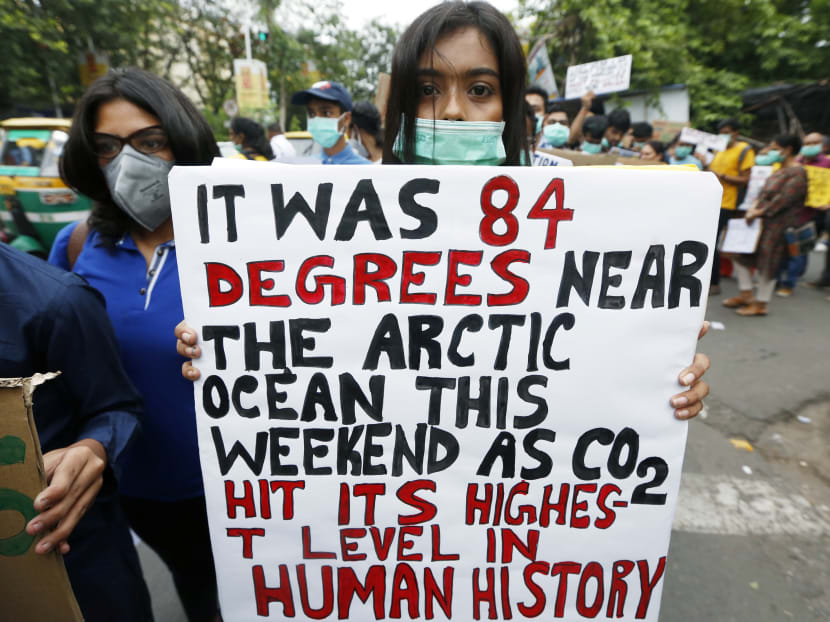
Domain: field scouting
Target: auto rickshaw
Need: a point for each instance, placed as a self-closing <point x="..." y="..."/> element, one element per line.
<point x="36" y="202"/>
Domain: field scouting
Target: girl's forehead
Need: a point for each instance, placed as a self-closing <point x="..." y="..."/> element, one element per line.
<point x="459" y="51"/>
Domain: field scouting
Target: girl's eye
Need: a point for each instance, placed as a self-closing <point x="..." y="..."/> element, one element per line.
<point x="428" y="90"/>
<point x="481" y="90"/>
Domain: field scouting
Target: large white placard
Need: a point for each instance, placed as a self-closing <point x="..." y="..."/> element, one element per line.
<point x="441" y="392"/>
<point x="602" y="76"/>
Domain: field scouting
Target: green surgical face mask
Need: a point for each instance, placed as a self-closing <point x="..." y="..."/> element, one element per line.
<point x="764" y="159"/>
<point x="775" y="155"/>
<point x="556" y="134"/>
<point x="810" y="151"/>
<point x="456" y="142"/>
<point x="324" y="131"/>
<point x="681" y="153"/>
<point x="539" y="121"/>
<point x="591" y="148"/>
<point x="638" y="145"/>
<point x="605" y="144"/>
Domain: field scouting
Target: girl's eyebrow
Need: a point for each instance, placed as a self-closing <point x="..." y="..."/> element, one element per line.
<point x="470" y="73"/>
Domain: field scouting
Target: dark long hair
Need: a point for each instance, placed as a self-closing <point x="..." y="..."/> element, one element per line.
<point x="191" y="138"/>
<point x="253" y="137"/>
<point x="421" y="36"/>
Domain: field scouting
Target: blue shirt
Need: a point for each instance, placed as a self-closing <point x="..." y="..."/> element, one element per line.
<point x="144" y="305"/>
<point x="347" y="156"/>
<point x="53" y="321"/>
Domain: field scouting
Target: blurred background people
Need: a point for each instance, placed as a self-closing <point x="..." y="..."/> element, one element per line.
<point x="779" y="204"/>
<point x="249" y="138"/>
<point x="366" y="133"/>
<point x="732" y="166"/>
<point x="683" y="154"/>
<point x="593" y="131"/>
<point x="653" y="151"/>
<point x="280" y="145"/>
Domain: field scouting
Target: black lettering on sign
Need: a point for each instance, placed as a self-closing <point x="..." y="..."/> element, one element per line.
<point x="427" y="217"/>
<point x="317" y="218"/>
<point x="218" y="334"/>
<point x="614" y="259"/>
<point x="655" y="256"/>
<point x="229" y="193"/>
<point x="682" y="274"/>
<point x="364" y="193"/>
<point x="581" y="283"/>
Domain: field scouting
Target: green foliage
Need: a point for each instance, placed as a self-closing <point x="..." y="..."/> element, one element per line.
<point x="191" y="42"/>
<point x="717" y="47"/>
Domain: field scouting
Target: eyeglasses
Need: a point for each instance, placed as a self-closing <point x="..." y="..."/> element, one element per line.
<point x="148" y="140"/>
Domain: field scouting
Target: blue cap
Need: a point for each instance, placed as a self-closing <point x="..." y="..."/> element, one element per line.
<point x="332" y="91"/>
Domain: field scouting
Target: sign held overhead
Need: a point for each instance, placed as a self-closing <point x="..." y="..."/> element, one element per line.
<point x="602" y="76"/>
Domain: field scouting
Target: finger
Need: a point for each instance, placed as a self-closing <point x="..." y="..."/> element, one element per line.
<point x="67" y="524"/>
<point x="703" y="330"/>
<point x="90" y="477"/>
<point x="51" y="461"/>
<point x="64" y="548"/>
<point x="688" y="413"/>
<point x="190" y="372"/>
<point x="184" y="349"/>
<point x="693" y="373"/>
<point x="64" y="474"/>
<point x="694" y="395"/>
<point x="185" y="333"/>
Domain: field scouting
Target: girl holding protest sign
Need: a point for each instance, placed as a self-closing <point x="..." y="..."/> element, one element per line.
<point x="457" y="97"/>
<point x="129" y="129"/>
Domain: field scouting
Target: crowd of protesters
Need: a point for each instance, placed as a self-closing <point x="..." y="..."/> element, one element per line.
<point x="128" y="131"/>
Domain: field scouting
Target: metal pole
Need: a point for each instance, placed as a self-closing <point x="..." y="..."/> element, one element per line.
<point x="247" y="30"/>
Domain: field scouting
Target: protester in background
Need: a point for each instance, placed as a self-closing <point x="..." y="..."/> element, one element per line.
<point x="618" y="123"/>
<point x="653" y="151"/>
<point x="641" y="133"/>
<point x="589" y="106"/>
<point x="531" y="121"/>
<point x="250" y="141"/>
<point x="555" y="129"/>
<point x="779" y="204"/>
<point x="329" y="105"/>
<point x="683" y="154"/>
<point x="366" y="132"/>
<point x="732" y="167"/>
<point x="593" y="131"/>
<point x="433" y="91"/>
<point x="537" y="99"/>
<point x="129" y="129"/>
<point x="85" y="418"/>
<point x="812" y="154"/>
<point x="280" y="145"/>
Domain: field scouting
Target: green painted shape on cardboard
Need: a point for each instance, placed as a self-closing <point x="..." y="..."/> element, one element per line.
<point x="12" y="450"/>
<point x="15" y="501"/>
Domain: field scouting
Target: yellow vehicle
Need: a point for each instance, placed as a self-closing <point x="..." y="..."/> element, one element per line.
<point x="36" y="203"/>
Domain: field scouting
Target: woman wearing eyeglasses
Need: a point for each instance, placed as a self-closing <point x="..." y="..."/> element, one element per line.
<point x="129" y="129"/>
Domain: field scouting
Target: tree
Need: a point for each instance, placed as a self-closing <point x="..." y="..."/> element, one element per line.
<point x="716" y="47"/>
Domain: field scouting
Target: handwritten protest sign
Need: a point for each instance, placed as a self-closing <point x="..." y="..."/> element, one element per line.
<point x="739" y="237"/>
<point x="818" y="186"/>
<point x="540" y="71"/>
<point x="715" y="142"/>
<point x="758" y="176"/>
<point x="441" y="392"/>
<point x="602" y="76"/>
<point x="540" y="158"/>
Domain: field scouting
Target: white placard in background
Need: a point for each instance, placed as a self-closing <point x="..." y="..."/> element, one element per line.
<point x="602" y="76"/>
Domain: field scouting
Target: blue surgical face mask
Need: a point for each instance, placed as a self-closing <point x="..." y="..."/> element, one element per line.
<point x="456" y="142"/>
<point x="605" y="144"/>
<point x="324" y="131"/>
<point x="556" y="134"/>
<point x="638" y="145"/>
<point x="539" y="121"/>
<point x="681" y="153"/>
<point x="591" y="148"/>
